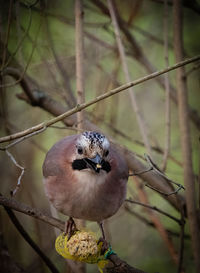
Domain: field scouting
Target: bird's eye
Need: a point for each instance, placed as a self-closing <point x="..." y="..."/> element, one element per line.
<point x="80" y="150"/>
<point x="106" y="153"/>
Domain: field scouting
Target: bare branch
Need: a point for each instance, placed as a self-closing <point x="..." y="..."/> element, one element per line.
<point x="21" y="174"/>
<point x="156" y="169"/>
<point x="79" y="60"/>
<point x="183" y="110"/>
<point x="15" y="205"/>
<point x="158" y="224"/>
<point x="139" y="55"/>
<point x="28" y="62"/>
<point x="7" y="35"/>
<point x="95" y="100"/>
<point x="154" y="208"/>
<point x="151" y="224"/>
<point x="14" y="160"/>
<point x="116" y="265"/>
<point x="181" y="247"/>
<point x="140" y="120"/>
<point x="167" y="90"/>
<point x="28" y="239"/>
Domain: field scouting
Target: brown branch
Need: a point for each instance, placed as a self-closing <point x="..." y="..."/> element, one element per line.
<point x="19" y="45"/>
<point x="70" y="98"/>
<point x="28" y="62"/>
<point x="151" y="224"/>
<point x="4" y="55"/>
<point x="140" y="120"/>
<point x="138" y="54"/>
<point x="156" y="169"/>
<point x="95" y="100"/>
<point x="167" y="90"/>
<point x="181" y="247"/>
<point x="20" y="207"/>
<point x="183" y="110"/>
<point x="158" y="224"/>
<point x="28" y="239"/>
<point x="79" y="60"/>
<point x="154" y="179"/>
<point x="119" y="132"/>
<point x="154" y="208"/>
<point x="7" y="263"/>
<point x="116" y="265"/>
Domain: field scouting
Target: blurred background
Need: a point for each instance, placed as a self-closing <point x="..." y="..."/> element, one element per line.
<point x="38" y="42"/>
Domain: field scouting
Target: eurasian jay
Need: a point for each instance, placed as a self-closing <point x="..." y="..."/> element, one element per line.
<point x="85" y="177"/>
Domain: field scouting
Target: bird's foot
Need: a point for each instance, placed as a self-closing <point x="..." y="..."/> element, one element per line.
<point x="70" y="227"/>
<point x="105" y="245"/>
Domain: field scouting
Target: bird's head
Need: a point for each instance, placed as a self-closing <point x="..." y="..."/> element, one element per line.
<point x="92" y="148"/>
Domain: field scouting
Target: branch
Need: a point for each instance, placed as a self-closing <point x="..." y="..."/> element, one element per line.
<point x="116" y="265"/>
<point x="157" y="222"/>
<point x="8" y="265"/>
<point x="167" y="90"/>
<point x="151" y="224"/>
<point x="156" y="209"/>
<point x="140" y="120"/>
<point x="185" y="138"/>
<point x="45" y="102"/>
<point x="156" y="169"/>
<point x="28" y="239"/>
<point x="79" y="13"/>
<point x="139" y="55"/>
<point x="97" y="99"/>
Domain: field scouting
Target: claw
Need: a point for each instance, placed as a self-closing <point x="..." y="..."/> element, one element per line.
<point x="105" y="245"/>
<point x="70" y="227"/>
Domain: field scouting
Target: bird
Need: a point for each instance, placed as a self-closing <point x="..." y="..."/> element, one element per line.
<point x="85" y="177"/>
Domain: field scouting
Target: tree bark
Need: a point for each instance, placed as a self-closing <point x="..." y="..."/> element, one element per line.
<point x="183" y="112"/>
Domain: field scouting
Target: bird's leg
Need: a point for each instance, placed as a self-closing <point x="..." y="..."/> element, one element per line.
<point x="70" y="227"/>
<point x="102" y="239"/>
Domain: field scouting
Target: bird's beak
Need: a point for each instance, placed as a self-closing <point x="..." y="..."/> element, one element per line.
<point x="95" y="163"/>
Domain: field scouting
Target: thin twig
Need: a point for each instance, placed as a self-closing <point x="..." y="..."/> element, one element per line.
<point x="20" y="42"/>
<point x="79" y="60"/>
<point x="140" y="120"/>
<point x="181" y="247"/>
<point x="18" y="206"/>
<point x="97" y="99"/>
<point x="13" y="192"/>
<point x="167" y="90"/>
<point x="156" y="169"/>
<point x="70" y="99"/>
<point x="194" y="68"/>
<point x="22" y="139"/>
<point x="158" y="224"/>
<point x="153" y="167"/>
<point x="151" y="224"/>
<point x="28" y="239"/>
<point x="7" y="35"/>
<point x="154" y="208"/>
<point x="29" y="59"/>
<point x="141" y="172"/>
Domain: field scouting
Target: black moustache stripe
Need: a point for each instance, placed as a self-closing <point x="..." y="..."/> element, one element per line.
<point x="85" y="163"/>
